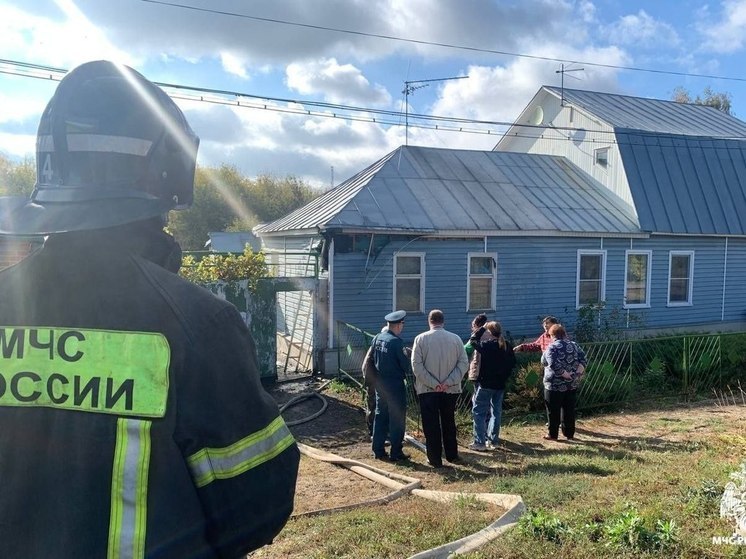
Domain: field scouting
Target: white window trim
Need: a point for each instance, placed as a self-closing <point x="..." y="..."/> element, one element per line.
<point x="493" y="288"/>
<point x="649" y="254"/>
<point x="598" y="151"/>
<point x="421" y="276"/>
<point x="584" y="252"/>
<point x="689" y="301"/>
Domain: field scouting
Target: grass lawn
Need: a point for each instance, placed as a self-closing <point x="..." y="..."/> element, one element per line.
<point x="637" y="483"/>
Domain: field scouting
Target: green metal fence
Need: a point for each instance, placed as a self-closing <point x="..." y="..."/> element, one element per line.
<point x="618" y="372"/>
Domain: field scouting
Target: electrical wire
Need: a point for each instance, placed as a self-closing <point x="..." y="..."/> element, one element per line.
<point x="421" y="121"/>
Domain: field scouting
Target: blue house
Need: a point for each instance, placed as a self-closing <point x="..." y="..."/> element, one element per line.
<point x="631" y="205"/>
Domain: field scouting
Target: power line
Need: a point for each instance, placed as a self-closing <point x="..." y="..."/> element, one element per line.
<point x="46" y="73"/>
<point x="428" y="122"/>
<point x="442" y="45"/>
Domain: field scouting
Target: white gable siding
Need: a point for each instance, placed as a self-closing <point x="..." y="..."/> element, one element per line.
<point x="576" y="145"/>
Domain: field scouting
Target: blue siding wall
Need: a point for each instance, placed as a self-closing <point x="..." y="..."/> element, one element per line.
<point x="536" y="276"/>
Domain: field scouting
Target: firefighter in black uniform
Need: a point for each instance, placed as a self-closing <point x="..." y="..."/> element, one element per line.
<point x="133" y="420"/>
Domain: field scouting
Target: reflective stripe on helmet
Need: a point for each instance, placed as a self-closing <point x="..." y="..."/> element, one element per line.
<point x="129" y="490"/>
<point x="100" y="143"/>
<point x="210" y="464"/>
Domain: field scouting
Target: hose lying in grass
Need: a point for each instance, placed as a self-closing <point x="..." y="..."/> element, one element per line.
<point x="370" y="472"/>
<point x="300" y="398"/>
<point x="513" y="503"/>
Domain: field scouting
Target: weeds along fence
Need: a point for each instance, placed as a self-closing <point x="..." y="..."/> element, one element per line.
<point x="618" y="372"/>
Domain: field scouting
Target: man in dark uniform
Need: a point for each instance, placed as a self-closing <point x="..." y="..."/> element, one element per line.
<point x="392" y="365"/>
<point x="133" y="420"/>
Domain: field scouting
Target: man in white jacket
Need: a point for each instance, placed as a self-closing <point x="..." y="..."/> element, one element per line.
<point x="439" y="363"/>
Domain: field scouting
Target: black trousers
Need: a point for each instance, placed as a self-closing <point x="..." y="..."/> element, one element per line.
<point x="561" y="405"/>
<point x="438" y="411"/>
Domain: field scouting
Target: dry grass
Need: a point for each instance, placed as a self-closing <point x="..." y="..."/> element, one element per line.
<point x="663" y="464"/>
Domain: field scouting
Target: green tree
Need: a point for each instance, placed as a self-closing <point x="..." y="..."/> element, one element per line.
<point x="271" y="198"/>
<point x="225" y="200"/>
<point x="722" y="101"/>
<point x="17" y="179"/>
<point x="219" y="199"/>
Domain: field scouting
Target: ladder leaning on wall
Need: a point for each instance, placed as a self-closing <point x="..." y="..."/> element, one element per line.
<point x="299" y="348"/>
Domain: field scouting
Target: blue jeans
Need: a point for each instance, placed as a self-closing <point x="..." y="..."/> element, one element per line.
<point x="390" y="416"/>
<point x="487" y="399"/>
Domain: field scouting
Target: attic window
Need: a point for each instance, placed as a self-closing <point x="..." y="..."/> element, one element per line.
<point x="602" y="157"/>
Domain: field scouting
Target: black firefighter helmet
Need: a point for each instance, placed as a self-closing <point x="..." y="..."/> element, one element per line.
<point x="112" y="148"/>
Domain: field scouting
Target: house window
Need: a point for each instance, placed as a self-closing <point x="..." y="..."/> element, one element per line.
<point x="481" y="282"/>
<point x="602" y="157"/>
<point x="680" y="274"/>
<point x="637" y="279"/>
<point x="591" y="277"/>
<point x="409" y="281"/>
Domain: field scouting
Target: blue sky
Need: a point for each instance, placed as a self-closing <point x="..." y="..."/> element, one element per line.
<point x="361" y="59"/>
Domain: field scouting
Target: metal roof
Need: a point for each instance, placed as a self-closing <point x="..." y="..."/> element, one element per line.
<point x="448" y="191"/>
<point x="654" y="115"/>
<point x="685" y="184"/>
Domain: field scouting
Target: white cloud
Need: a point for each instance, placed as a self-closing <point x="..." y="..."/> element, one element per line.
<point x="234" y="64"/>
<point x="641" y="30"/>
<point x="500" y="93"/>
<point x="280" y="143"/>
<point x="727" y="34"/>
<point x="338" y="83"/>
<point x="66" y="41"/>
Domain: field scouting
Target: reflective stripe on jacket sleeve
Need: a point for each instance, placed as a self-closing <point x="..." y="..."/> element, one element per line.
<point x="210" y="464"/>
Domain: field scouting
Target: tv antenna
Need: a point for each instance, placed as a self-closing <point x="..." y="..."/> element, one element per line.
<point x="410" y="88"/>
<point x="564" y="71"/>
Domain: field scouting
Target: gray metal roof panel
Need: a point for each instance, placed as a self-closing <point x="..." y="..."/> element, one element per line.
<point x="432" y="189"/>
<point x="686" y="184"/>
<point x="654" y="115"/>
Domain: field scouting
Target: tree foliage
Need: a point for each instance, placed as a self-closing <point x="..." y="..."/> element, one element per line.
<point x="722" y="101"/>
<point x="219" y="267"/>
<point x="225" y="200"/>
<point x="17" y="179"/>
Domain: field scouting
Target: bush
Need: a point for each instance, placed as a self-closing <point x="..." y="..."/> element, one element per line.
<point x="525" y="390"/>
<point x="249" y="266"/>
<point x="629" y="530"/>
<point x="544" y="525"/>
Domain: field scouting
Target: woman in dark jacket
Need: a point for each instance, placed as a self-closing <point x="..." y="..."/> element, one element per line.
<point x="496" y="365"/>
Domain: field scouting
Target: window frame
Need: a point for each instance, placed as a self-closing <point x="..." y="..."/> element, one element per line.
<point x="601" y="157"/>
<point x="587" y="252"/>
<point x="649" y="255"/>
<point x="689" y="301"/>
<point x="420" y="276"/>
<point x="493" y="283"/>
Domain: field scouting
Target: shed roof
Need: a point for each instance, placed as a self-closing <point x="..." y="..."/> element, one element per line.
<point x="685" y="184"/>
<point x="654" y="115"/>
<point x="446" y="191"/>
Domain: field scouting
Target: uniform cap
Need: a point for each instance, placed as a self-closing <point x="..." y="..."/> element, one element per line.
<point x="396" y="316"/>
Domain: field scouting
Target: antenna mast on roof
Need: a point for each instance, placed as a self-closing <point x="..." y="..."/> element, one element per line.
<point x="409" y="89"/>
<point x="563" y="71"/>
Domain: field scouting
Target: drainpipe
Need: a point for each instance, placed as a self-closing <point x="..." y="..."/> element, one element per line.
<point x="330" y="299"/>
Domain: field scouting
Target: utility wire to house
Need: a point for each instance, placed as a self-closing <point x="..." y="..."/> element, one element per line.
<point x="348" y="113"/>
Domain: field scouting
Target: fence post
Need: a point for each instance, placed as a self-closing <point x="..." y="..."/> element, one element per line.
<point x="339" y="356"/>
<point x="685" y="367"/>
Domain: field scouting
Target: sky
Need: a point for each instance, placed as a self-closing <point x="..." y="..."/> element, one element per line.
<point x="316" y="88"/>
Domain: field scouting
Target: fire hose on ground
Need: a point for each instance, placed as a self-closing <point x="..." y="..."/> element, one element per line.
<point x="405" y="485"/>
